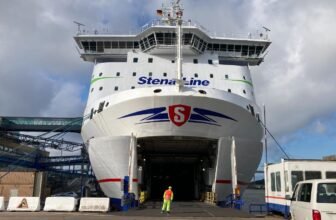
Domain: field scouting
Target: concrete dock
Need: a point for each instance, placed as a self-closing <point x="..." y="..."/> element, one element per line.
<point x="152" y="210"/>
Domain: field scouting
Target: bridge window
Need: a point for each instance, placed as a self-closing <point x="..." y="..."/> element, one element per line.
<point x="223" y="47"/>
<point x="100" y="88"/>
<point x="136" y="44"/>
<point x="100" y="46"/>
<point x="159" y="38"/>
<point x="107" y="44"/>
<point x="115" y="44"/>
<point x="244" y="50"/>
<point x="230" y="48"/>
<point x="251" y="50"/>
<point x="122" y="44"/>
<point x="259" y="50"/>
<point x="216" y="47"/>
<point x="135" y="60"/>
<point x="186" y="38"/>
<point x="92" y="46"/>
<point x="238" y="48"/>
<point x="210" y="47"/>
<point x="129" y="44"/>
<point x="150" y="60"/>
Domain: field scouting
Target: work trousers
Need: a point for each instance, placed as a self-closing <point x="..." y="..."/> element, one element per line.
<point x="166" y="205"/>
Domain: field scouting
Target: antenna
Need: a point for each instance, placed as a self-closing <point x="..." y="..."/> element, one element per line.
<point x="79" y="25"/>
<point x="266" y="29"/>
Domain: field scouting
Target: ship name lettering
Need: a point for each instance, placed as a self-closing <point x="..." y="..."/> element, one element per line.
<point x="156" y="81"/>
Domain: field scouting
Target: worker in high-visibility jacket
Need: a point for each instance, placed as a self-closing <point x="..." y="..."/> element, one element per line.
<point x="168" y="196"/>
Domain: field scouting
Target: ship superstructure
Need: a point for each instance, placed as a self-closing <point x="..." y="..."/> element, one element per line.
<point x="172" y="97"/>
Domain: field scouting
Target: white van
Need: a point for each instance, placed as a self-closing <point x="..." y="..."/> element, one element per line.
<point x="314" y="199"/>
<point x="280" y="180"/>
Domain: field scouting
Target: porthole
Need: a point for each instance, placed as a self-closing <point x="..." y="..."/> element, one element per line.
<point x="244" y="91"/>
<point x="150" y="74"/>
<point x="135" y="60"/>
<point x="196" y="75"/>
<point x="244" y="77"/>
<point x="100" y="74"/>
<point x="133" y="87"/>
<point x="173" y="61"/>
<point x="92" y="90"/>
<point x="211" y="75"/>
<point x="226" y="76"/>
<point x="164" y="74"/>
<point x="100" y="88"/>
<point x="116" y="88"/>
<point x="150" y="60"/>
<point x="157" y="90"/>
<point x="107" y="103"/>
<point x="229" y="90"/>
<point x="134" y="73"/>
<point x="202" y="91"/>
<point x="118" y="74"/>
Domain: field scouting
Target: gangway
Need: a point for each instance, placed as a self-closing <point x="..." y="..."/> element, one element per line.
<point x="41" y="124"/>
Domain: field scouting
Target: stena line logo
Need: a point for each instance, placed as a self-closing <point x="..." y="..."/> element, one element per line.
<point x="144" y="80"/>
<point x="179" y="115"/>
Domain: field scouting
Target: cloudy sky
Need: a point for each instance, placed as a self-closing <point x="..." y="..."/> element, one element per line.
<point x="41" y="73"/>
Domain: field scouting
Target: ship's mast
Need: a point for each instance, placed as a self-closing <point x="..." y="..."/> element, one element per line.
<point x="173" y="15"/>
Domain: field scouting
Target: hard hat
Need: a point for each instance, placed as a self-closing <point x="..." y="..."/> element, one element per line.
<point x="169" y="187"/>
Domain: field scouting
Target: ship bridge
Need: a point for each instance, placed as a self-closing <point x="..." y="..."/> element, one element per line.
<point x="159" y="38"/>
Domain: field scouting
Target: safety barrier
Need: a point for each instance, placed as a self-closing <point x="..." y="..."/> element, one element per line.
<point x="94" y="205"/>
<point x="62" y="204"/>
<point x="2" y="203"/>
<point x="24" y="204"/>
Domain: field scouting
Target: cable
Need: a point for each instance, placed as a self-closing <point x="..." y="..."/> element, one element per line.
<point x="281" y="148"/>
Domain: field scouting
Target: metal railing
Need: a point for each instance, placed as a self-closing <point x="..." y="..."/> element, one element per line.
<point x="257" y="35"/>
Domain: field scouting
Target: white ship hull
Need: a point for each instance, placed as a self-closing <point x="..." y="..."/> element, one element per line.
<point x="216" y="115"/>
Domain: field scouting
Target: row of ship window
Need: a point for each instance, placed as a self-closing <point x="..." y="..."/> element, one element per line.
<point x="159" y="38"/>
<point x="116" y="88"/>
<point x="165" y="75"/>
<point x="150" y="60"/>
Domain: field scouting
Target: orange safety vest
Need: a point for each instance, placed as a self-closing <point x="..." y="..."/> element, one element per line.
<point x="168" y="194"/>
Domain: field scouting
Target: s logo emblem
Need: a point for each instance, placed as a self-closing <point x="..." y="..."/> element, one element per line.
<point x="179" y="114"/>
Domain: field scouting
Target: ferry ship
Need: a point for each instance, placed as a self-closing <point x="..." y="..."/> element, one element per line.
<point x="167" y="104"/>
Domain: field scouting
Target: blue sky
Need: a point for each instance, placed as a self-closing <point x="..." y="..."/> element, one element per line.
<point x="42" y="74"/>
